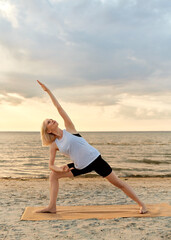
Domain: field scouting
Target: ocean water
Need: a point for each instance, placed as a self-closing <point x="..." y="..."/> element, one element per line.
<point x="130" y="154"/>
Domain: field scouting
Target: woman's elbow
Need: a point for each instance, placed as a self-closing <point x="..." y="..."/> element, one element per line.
<point x="51" y="166"/>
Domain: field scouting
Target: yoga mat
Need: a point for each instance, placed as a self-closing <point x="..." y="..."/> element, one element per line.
<point x="97" y="211"/>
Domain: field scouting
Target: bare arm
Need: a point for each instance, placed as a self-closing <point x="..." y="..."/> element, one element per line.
<point x="67" y="121"/>
<point x="65" y="168"/>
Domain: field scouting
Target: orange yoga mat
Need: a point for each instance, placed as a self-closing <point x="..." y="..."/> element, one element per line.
<point x="97" y="211"/>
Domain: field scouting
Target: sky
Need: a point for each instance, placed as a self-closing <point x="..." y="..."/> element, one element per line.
<point x="106" y="61"/>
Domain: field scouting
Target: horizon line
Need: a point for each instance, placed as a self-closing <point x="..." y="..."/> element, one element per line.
<point x="5" y="131"/>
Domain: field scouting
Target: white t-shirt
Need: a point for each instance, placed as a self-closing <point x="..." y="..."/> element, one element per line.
<point x="78" y="149"/>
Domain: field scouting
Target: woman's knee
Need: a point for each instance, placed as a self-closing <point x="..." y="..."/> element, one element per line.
<point x="53" y="176"/>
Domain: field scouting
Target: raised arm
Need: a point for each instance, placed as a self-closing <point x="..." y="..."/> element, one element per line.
<point x="67" y="121"/>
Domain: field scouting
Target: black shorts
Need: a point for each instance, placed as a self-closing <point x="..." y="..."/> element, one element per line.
<point x="99" y="165"/>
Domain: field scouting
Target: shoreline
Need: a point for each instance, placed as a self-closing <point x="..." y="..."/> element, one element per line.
<point x="85" y="178"/>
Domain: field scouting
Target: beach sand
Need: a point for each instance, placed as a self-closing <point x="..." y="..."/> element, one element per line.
<point x="18" y="194"/>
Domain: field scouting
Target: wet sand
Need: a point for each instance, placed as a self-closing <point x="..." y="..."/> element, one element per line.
<point x="17" y="194"/>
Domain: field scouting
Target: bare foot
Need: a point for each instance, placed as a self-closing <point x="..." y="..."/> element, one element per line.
<point x="143" y="209"/>
<point x="46" y="210"/>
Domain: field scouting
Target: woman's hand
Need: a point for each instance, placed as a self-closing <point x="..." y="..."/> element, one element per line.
<point x="43" y="86"/>
<point x="62" y="169"/>
<point x="65" y="168"/>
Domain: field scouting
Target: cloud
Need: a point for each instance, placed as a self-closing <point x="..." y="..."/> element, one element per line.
<point x="155" y="106"/>
<point x="91" y="95"/>
<point x="140" y="113"/>
<point x="86" y="44"/>
<point x="12" y="99"/>
<point x="9" y="12"/>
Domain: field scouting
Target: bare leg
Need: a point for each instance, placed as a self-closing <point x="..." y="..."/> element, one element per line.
<point x="112" y="178"/>
<point x="54" y="187"/>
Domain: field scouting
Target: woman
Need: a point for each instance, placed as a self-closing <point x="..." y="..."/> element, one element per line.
<point x="85" y="157"/>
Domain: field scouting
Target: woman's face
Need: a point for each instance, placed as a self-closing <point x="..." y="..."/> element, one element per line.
<point x="51" y="125"/>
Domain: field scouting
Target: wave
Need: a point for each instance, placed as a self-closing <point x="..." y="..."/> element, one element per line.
<point x="147" y="176"/>
<point x="130" y="144"/>
<point x="25" y="178"/>
<point x="91" y="175"/>
<point x="149" y="161"/>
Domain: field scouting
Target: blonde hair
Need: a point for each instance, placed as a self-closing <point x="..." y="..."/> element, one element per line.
<point x="47" y="138"/>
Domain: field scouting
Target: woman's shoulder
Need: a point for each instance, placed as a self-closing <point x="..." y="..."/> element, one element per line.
<point x="75" y="133"/>
<point x="71" y="131"/>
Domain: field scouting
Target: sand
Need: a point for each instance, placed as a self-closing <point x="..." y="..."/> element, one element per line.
<point x="17" y="194"/>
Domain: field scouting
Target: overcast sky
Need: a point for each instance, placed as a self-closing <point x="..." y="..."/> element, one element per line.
<point x="107" y="61"/>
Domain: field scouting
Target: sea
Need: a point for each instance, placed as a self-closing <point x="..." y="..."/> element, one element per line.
<point x="130" y="154"/>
